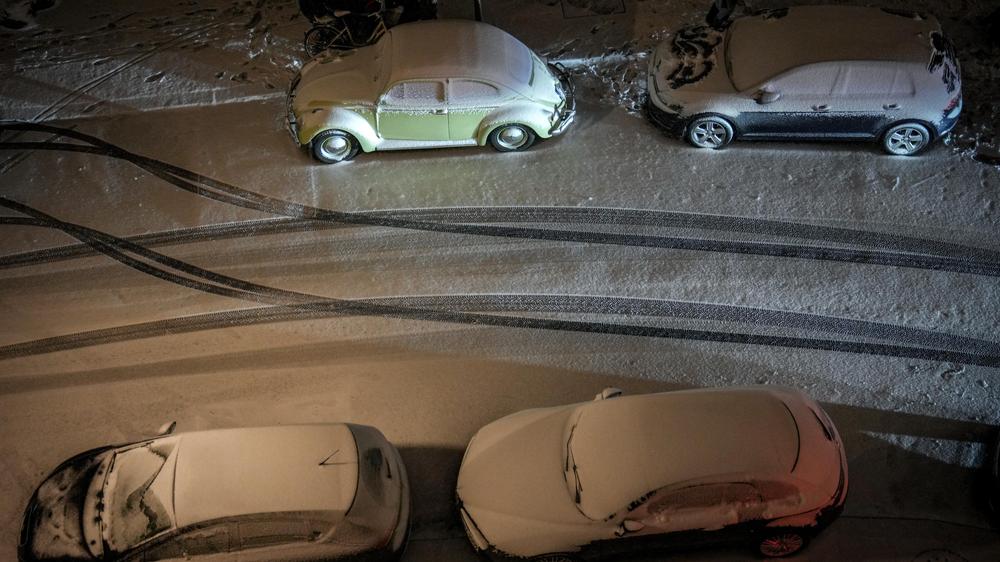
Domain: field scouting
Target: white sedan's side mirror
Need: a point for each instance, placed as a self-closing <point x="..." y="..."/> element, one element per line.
<point x="629" y="526"/>
<point x="609" y="392"/>
<point x="166" y="429"/>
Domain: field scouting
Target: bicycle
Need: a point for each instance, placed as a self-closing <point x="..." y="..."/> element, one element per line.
<point x="346" y="29"/>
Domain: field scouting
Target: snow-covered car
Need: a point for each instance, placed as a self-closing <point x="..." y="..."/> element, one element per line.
<point x="633" y="474"/>
<point x="297" y="492"/>
<point x="809" y="72"/>
<point x="429" y="84"/>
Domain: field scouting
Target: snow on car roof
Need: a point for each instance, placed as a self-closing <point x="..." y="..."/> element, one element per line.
<point x="458" y="48"/>
<point x="233" y="472"/>
<point x="760" y="47"/>
<point x="626" y="447"/>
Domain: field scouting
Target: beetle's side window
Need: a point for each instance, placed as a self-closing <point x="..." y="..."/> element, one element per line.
<point x="415" y="94"/>
<point x="472" y="92"/>
<point x="814" y="80"/>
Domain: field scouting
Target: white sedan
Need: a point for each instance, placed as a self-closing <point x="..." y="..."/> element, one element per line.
<point x="627" y="475"/>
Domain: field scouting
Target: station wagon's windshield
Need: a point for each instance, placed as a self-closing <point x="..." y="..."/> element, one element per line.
<point x="138" y="494"/>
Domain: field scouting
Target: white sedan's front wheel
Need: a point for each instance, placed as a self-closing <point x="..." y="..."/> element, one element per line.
<point x="330" y="147"/>
<point x="710" y="132"/>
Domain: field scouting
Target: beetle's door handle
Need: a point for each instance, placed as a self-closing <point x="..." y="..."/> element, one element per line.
<point x="439" y="111"/>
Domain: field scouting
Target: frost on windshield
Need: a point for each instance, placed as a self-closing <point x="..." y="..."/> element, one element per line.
<point x="138" y="495"/>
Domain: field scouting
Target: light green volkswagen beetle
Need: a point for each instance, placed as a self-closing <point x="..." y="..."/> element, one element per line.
<point x="428" y="84"/>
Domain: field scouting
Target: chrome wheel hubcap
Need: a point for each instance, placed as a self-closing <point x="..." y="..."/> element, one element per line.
<point x="336" y="147"/>
<point x="906" y="140"/>
<point x="710" y="134"/>
<point x="512" y="137"/>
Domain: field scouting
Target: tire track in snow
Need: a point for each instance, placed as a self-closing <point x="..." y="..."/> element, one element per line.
<point x="414" y="308"/>
<point x="252" y="200"/>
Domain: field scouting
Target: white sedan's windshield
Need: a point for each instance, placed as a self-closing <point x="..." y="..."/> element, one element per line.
<point x="138" y="494"/>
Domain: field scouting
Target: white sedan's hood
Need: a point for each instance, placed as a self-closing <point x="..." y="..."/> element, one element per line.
<point x="513" y="486"/>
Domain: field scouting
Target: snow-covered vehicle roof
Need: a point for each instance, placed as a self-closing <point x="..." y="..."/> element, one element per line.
<point x="762" y="46"/>
<point x="233" y="472"/>
<point x="625" y="447"/>
<point x="458" y="48"/>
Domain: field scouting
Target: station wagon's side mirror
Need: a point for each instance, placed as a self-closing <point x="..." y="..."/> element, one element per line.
<point x="609" y="392"/>
<point x="166" y="429"/>
<point x="766" y="95"/>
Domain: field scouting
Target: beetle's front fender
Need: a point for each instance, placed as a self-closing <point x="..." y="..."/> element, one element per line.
<point x="325" y="118"/>
<point x="535" y="116"/>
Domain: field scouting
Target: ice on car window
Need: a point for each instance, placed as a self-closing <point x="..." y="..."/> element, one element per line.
<point x="810" y="80"/>
<point x="416" y="94"/>
<point x="137" y="494"/>
<point x="874" y="80"/>
<point x="471" y="92"/>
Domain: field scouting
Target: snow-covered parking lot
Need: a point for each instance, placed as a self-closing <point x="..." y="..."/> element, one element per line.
<point x="169" y="254"/>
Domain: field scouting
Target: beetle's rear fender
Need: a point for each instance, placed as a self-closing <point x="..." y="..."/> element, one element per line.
<point x="537" y="117"/>
<point x="320" y="119"/>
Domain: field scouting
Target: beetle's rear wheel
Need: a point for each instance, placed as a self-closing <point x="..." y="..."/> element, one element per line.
<point x="511" y="138"/>
<point x="330" y="147"/>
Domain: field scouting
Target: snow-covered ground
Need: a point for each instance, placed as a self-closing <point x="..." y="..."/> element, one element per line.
<point x="613" y="256"/>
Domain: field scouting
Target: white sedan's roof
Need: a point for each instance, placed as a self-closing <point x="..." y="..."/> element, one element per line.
<point x="760" y="47"/>
<point x="458" y="48"/>
<point x="626" y="447"/>
<point x="235" y="472"/>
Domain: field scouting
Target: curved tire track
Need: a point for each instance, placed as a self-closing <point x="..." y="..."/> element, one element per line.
<point x="416" y="308"/>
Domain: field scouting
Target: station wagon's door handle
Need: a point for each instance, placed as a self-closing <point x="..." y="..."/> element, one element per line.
<point x="823" y="107"/>
<point x="439" y="111"/>
<point x="889" y="106"/>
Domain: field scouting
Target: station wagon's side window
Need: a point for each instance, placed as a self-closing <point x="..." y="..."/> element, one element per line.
<point x="255" y="534"/>
<point x="810" y="81"/>
<point x="195" y="542"/>
<point x="415" y="94"/>
<point x="869" y="80"/>
<point x="472" y="93"/>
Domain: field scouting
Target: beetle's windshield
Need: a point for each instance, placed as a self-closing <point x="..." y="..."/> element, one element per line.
<point x="138" y="494"/>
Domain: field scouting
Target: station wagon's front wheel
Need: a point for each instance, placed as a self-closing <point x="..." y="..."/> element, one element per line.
<point x="511" y="138"/>
<point x="710" y="132"/>
<point x="906" y="139"/>
<point x="330" y="147"/>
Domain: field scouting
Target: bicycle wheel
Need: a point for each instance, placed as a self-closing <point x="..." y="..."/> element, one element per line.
<point x="323" y="37"/>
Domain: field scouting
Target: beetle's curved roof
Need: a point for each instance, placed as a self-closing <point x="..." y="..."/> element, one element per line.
<point x="626" y="447"/>
<point x="762" y="46"/>
<point x="232" y="472"/>
<point x="457" y="48"/>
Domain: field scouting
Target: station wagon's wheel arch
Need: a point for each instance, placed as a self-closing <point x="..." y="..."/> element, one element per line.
<point x="932" y="134"/>
<point x="694" y="120"/>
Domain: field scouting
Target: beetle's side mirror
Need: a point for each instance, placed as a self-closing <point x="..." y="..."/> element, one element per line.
<point x="609" y="392"/>
<point x="166" y="429"/>
<point x="766" y="95"/>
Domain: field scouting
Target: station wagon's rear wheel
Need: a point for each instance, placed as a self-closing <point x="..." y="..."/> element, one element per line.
<point x="511" y="138"/>
<point x="553" y="558"/>
<point x="330" y="147"/>
<point x="906" y="139"/>
<point x="710" y="132"/>
<point x="782" y="543"/>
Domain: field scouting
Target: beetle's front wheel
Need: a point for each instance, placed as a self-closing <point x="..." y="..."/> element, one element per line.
<point x="330" y="147"/>
<point x="511" y="138"/>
